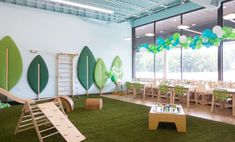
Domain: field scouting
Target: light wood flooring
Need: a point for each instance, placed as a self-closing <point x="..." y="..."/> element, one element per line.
<point x="197" y="111"/>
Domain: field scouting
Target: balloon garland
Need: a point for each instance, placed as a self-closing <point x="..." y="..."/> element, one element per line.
<point x="207" y="39"/>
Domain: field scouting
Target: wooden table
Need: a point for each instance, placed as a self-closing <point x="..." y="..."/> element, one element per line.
<point x="146" y="84"/>
<point x="230" y="91"/>
<point x="157" y="115"/>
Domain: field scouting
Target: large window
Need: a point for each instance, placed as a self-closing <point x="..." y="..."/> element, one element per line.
<point x="165" y="29"/>
<point x="229" y="61"/>
<point x="200" y="64"/>
<point x="144" y="59"/>
<point x="228" y="10"/>
<point x="173" y="64"/>
<point x="159" y="65"/>
<point x="229" y="46"/>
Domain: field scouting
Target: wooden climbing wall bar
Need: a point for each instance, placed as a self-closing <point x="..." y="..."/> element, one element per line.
<point x="65" y="74"/>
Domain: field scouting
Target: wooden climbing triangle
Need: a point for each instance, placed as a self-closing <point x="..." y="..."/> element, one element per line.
<point x="48" y="119"/>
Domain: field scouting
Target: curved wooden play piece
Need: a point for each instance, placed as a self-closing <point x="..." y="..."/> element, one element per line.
<point x="67" y="103"/>
<point x="14" y="98"/>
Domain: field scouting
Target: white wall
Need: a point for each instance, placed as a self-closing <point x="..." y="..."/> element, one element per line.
<point x="50" y="33"/>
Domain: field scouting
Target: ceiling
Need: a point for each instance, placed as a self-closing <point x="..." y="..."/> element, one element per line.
<point x="124" y="10"/>
<point x="197" y="20"/>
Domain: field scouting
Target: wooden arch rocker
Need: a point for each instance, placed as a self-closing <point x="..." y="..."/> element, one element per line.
<point x="47" y="117"/>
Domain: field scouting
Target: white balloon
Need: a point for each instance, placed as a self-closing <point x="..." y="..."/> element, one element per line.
<point x="204" y="40"/>
<point x="219" y="35"/>
<point x="183" y="39"/>
<point x="217" y="29"/>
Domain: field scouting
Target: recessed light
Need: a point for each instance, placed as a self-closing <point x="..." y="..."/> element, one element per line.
<point x="194" y="24"/>
<point x="127" y="38"/>
<point x="183" y="27"/>
<point x="224" y="7"/>
<point x="175" y="20"/>
<point x="230" y="16"/>
<point x="75" y="4"/>
<point x="149" y="34"/>
<point x="164" y="6"/>
<point x="161" y="31"/>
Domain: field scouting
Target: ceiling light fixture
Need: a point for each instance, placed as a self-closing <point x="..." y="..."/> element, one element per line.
<point x="194" y="24"/>
<point x="230" y="16"/>
<point x="83" y="6"/>
<point x="127" y="38"/>
<point x="164" y="6"/>
<point x="186" y="28"/>
<point x="149" y="34"/>
<point x="175" y="20"/>
<point x="183" y="27"/>
<point x="161" y="31"/>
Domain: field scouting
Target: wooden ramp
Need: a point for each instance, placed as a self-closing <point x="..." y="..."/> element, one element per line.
<point x="14" y="98"/>
<point x="61" y="122"/>
<point x="48" y="119"/>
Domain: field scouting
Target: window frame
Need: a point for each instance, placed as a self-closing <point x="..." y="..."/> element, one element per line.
<point x="220" y="48"/>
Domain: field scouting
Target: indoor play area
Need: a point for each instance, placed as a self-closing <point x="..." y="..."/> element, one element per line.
<point x="117" y="70"/>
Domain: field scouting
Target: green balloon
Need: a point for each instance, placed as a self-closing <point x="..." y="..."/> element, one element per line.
<point x="198" y="46"/>
<point x="176" y="36"/>
<point x="168" y="42"/>
<point x="114" y="79"/>
<point x="212" y="40"/>
<point x="232" y="36"/>
<point x="217" y="42"/>
<point x="110" y="73"/>
<point x="185" y="46"/>
<point x="190" y="40"/>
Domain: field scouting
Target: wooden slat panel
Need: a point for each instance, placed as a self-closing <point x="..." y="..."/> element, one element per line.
<point x="61" y="122"/>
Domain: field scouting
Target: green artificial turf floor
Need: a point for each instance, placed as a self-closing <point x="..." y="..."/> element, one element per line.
<point x="120" y="122"/>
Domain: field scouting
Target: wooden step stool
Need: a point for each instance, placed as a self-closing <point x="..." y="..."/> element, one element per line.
<point x="94" y="103"/>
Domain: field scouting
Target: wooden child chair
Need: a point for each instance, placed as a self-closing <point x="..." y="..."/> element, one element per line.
<point x="220" y="98"/>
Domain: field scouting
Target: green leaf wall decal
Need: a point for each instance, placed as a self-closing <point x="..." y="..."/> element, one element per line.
<point x="85" y="68"/>
<point x="38" y="75"/>
<point x="11" y="65"/>
<point x="100" y="74"/>
<point x="117" y="68"/>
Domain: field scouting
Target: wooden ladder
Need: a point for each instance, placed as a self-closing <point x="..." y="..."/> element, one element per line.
<point x="65" y="74"/>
